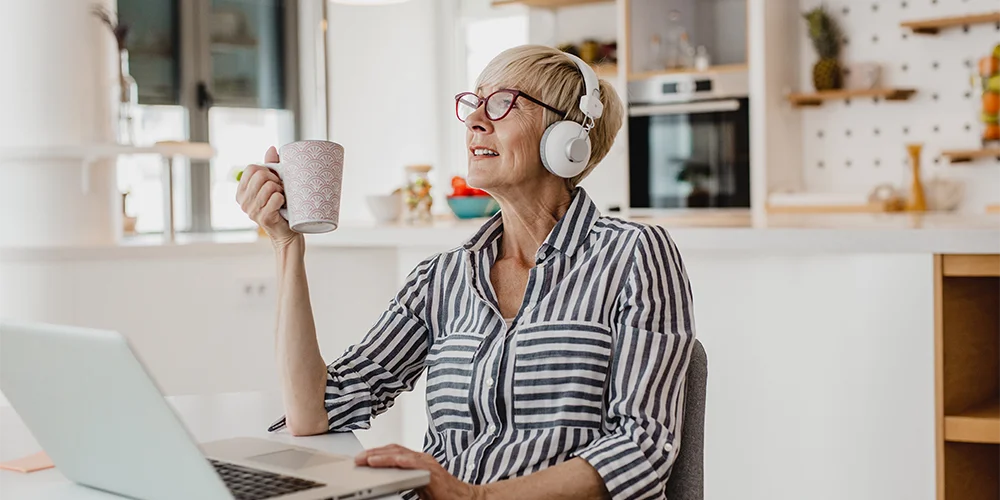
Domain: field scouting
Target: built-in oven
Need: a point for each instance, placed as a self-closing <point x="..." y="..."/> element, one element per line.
<point x="689" y="142"/>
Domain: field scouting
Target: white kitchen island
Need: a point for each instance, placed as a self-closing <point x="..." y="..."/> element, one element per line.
<point x="819" y="331"/>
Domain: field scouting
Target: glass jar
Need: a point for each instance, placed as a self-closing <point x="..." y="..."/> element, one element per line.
<point x="417" y="195"/>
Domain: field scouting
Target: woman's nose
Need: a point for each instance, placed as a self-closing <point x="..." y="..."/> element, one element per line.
<point x="477" y="121"/>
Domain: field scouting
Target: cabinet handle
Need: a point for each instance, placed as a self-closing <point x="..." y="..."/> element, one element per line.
<point x="205" y="99"/>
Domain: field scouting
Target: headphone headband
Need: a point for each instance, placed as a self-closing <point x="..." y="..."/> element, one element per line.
<point x="590" y="102"/>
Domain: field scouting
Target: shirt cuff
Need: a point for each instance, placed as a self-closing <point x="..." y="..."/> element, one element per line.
<point x="623" y="466"/>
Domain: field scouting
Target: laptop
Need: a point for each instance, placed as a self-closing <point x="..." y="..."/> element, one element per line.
<point x="98" y="414"/>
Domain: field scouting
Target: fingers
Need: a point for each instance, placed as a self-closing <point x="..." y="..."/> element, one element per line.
<point x="384" y="456"/>
<point x="399" y="461"/>
<point x="271" y="156"/>
<point x="256" y="209"/>
<point x="256" y="177"/>
<point x="382" y="450"/>
<point x="274" y="203"/>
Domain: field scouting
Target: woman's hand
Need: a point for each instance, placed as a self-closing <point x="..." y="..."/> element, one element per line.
<point x="443" y="486"/>
<point x="260" y="195"/>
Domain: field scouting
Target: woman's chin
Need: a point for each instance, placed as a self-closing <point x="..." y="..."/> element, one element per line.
<point x="481" y="177"/>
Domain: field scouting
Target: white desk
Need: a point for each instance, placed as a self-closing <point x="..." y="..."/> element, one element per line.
<point x="208" y="418"/>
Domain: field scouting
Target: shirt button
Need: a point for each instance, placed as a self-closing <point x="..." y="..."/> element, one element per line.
<point x="668" y="447"/>
<point x="489" y="382"/>
<point x="529" y="307"/>
<point x="493" y="429"/>
<point x="472" y="462"/>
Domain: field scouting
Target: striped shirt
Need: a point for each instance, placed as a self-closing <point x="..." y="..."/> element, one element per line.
<point x="592" y="365"/>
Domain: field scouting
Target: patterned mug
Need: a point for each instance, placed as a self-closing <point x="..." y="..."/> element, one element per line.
<point x="312" y="173"/>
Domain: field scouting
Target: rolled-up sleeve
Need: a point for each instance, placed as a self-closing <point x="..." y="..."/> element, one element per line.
<point x="366" y="379"/>
<point x="653" y="338"/>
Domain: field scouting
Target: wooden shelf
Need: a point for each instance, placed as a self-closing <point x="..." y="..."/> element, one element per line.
<point x="970" y="266"/>
<point x="548" y="4"/>
<point x="934" y="26"/>
<point x="723" y="68"/>
<point x="980" y="424"/>
<point x="817" y="98"/>
<point x="967" y="155"/>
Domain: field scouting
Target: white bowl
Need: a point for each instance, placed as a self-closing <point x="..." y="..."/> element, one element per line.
<point x="385" y="207"/>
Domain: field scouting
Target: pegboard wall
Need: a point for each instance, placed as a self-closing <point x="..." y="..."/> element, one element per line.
<point x="849" y="147"/>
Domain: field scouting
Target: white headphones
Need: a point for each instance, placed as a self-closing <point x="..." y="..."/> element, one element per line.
<point x="565" y="144"/>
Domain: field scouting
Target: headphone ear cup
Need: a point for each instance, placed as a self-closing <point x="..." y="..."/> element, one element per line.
<point x="557" y="141"/>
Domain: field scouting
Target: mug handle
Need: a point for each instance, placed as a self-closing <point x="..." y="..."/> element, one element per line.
<point x="278" y="169"/>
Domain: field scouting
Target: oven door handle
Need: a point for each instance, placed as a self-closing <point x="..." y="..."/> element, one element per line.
<point x="685" y="108"/>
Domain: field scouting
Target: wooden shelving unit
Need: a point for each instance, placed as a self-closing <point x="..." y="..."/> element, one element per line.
<point x="980" y="424"/>
<point x="548" y="4"/>
<point x="818" y="98"/>
<point x="967" y="155"/>
<point x="724" y="68"/>
<point x="935" y="25"/>
<point x="967" y="376"/>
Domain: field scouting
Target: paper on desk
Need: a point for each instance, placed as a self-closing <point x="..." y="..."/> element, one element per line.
<point x="31" y="463"/>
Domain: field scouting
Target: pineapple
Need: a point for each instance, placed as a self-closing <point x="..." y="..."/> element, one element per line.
<point x="825" y="36"/>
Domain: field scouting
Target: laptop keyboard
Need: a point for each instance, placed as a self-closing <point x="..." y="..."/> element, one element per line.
<point x="253" y="484"/>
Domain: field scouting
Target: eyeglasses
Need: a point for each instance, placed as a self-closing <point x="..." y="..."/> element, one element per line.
<point x="498" y="104"/>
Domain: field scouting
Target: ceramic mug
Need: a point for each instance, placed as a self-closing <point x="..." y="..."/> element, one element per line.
<point x="312" y="173"/>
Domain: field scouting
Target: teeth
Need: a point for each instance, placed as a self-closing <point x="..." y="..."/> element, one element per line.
<point x="485" y="152"/>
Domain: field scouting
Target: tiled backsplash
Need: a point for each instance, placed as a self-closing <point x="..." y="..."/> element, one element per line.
<point x="850" y="147"/>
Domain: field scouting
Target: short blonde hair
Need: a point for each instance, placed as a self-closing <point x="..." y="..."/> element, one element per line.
<point x="550" y="76"/>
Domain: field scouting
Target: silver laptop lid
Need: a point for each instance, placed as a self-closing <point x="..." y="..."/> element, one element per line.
<point x="100" y="417"/>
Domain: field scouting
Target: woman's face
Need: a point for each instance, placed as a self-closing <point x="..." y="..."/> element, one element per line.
<point x="515" y="139"/>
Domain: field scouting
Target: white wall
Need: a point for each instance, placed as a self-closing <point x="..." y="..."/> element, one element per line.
<point x="849" y="161"/>
<point x="384" y="87"/>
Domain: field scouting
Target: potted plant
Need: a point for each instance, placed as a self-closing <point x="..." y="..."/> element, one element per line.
<point x="825" y="36"/>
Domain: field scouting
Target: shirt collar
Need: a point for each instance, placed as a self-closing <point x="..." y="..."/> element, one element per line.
<point x="566" y="237"/>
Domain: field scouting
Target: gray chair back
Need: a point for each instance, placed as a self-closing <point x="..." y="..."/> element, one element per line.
<point x="687" y="476"/>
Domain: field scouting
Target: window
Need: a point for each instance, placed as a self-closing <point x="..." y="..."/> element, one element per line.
<point x="218" y="71"/>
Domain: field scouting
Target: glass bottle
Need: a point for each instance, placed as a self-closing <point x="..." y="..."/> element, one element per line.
<point x="671" y="57"/>
<point x="685" y="52"/>
<point x="128" y="102"/>
<point x="417" y="195"/>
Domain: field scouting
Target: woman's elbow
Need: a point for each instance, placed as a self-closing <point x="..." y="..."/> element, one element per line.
<point x="299" y="427"/>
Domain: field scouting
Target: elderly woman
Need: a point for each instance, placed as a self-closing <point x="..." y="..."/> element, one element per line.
<point x="555" y="340"/>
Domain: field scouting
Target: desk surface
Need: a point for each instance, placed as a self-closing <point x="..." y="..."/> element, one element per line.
<point x="208" y="418"/>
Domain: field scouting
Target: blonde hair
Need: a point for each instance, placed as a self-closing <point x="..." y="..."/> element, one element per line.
<point x="550" y="76"/>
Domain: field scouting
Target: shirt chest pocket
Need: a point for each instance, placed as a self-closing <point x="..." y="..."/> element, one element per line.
<point x="449" y="379"/>
<point x="559" y="375"/>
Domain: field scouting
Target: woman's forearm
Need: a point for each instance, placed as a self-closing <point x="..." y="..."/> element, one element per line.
<point x="300" y="365"/>
<point x="571" y="480"/>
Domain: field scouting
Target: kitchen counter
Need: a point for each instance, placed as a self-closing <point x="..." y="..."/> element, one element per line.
<point x="692" y="230"/>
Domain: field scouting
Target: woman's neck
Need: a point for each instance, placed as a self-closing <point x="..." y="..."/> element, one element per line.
<point x="529" y="214"/>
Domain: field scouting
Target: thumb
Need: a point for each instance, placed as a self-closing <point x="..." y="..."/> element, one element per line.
<point x="271" y="156"/>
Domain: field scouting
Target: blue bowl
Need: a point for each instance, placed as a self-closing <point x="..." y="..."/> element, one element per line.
<point x="471" y="207"/>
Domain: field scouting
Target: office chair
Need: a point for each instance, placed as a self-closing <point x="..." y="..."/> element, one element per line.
<point x="687" y="476"/>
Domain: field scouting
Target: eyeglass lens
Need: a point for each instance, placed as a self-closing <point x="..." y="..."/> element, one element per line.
<point x="497" y="105"/>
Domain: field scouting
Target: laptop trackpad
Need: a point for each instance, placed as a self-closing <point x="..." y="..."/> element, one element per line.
<point x="292" y="459"/>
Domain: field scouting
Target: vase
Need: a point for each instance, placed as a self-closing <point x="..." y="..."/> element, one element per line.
<point x="128" y="101"/>
<point x="916" y="201"/>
